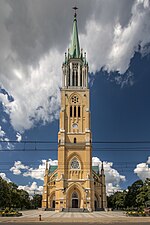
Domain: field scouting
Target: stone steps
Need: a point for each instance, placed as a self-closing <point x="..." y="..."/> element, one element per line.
<point x="74" y="210"/>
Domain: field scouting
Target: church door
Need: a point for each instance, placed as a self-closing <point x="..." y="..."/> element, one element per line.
<point x="75" y="201"/>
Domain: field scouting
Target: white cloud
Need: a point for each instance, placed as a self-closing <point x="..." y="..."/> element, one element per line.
<point x="3" y="175"/>
<point x="4" y="120"/>
<point x="2" y="133"/>
<point x="34" y="173"/>
<point x="124" y="79"/>
<point x="32" y="189"/>
<point x="113" y="188"/>
<point x="18" y="137"/>
<point x="38" y="173"/>
<point x="112" y="176"/>
<point x="142" y="170"/>
<point x="52" y="162"/>
<point x="148" y="161"/>
<point x="33" y="40"/>
<point x="18" y="166"/>
<point x="5" y="141"/>
<point x="113" y="44"/>
<point x="36" y="93"/>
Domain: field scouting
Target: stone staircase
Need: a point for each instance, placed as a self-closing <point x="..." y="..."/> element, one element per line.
<point x="74" y="210"/>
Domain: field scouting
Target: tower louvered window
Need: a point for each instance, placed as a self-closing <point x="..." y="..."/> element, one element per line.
<point x="78" y="111"/>
<point x="75" y="108"/>
<point x="70" y="111"/>
<point x="75" y="114"/>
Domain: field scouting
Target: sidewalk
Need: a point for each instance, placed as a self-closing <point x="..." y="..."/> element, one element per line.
<point x="48" y="216"/>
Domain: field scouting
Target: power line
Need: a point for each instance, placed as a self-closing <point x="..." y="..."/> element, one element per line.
<point x="94" y="142"/>
<point x="93" y="150"/>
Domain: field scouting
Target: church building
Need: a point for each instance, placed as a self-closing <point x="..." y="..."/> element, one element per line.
<point x="74" y="185"/>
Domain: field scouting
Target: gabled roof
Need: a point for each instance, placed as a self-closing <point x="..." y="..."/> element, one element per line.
<point x="52" y="169"/>
<point x="96" y="169"/>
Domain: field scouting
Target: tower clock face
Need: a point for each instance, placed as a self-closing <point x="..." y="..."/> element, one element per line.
<point x="75" y="125"/>
<point x="75" y="164"/>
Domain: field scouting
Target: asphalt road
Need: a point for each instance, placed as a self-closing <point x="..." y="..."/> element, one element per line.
<point x="74" y="223"/>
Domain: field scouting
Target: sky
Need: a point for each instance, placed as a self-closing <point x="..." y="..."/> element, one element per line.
<point x="34" y="35"/>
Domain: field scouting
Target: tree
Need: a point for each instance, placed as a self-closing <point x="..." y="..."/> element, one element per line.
<point x="137" y="196"/>
<point x="5" y="197"/>
<point x="133" y="191"/>
<point x="24" y="198"/>
<point x="143" y="197"/>
<point x="37" y="201"/>
<point x="117" y="200"/>
<point x="12" y="197"/>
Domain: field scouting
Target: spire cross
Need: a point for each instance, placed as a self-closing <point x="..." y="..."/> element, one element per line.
<point x="75" y="8"/>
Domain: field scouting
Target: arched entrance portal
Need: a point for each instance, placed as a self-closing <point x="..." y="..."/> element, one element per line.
<point x="75" y="200"/>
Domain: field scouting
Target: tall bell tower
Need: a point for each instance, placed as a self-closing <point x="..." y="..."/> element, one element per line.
<point x="74" y="137"/>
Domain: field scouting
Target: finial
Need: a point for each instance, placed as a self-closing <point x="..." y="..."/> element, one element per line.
<point x="84" y="57"/>
<point x="102" y="166"/>
<point x="46" y="164"/>
<point x="81" y="53"/>
<point x="68" y="52"/>
<point x="65" y="57"/>
<point x="75" y="14"/>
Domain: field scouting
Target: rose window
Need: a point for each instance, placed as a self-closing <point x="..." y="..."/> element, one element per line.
<point x="75" y="164"/>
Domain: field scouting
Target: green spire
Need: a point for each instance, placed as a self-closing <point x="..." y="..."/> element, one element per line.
<point x="74" y="50"/>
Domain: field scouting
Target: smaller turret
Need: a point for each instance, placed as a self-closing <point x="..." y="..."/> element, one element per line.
<point x="46" y="168"/>
<point x="45" y="188"/>
<point x="102" y="170"/>
<point x="103" y="187"/>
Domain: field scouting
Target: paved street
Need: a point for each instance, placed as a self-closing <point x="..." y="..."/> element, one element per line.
<point x="76" y="223"/>
<point x="48" y="217"/>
